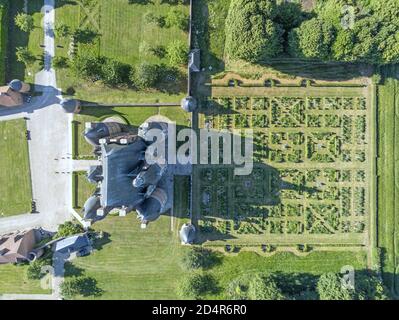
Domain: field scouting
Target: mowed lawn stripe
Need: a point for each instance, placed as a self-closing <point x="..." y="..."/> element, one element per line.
<point x="387" y="221"/>
<point x="15" y="186"/>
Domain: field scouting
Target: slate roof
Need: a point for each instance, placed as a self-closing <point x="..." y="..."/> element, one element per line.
<point x="194" y="60"/>
<point x="73" y="244"/>
<point x="119" y="161"/>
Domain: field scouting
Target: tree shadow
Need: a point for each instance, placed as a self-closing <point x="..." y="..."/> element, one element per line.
<point x="105" y="239"/>
<point x="73" y="270"/>
<point x="90" y="288"/>
<point x="319" y="70"/>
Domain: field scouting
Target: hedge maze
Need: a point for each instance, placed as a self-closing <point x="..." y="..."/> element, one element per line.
<point x="310" y="180"/>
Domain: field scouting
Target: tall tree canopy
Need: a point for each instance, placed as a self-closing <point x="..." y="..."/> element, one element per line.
<point x="313" y="39"/>
<point x="251" y="33"/>
<point x="355" y="30"/>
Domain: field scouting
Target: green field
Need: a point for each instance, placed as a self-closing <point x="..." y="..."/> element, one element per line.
<point x="15" y="189"/>
<point x="123" y="36"/>
<point x="135" y="116"/>
<point x="388" y="188"/>
<point x="135" y="264"/>
<point x="13" y="280"/>
<point x="32" y="40"/>
<point x="144" y="264"/>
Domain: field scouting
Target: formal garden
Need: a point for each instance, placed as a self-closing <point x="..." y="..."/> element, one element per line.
<point x="311" y="176"/>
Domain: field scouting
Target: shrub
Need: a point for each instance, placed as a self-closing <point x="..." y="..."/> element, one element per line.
<point x="197" y="258"/>
<point x="34" y="270"/>
<point x="88" y="66"/>
<point x="264" y="287"/>
<point x="376" y="78"/>
<point x="177" y="53"/>
<point x="24" y="22"/>
<point x="61" y="30"/>
<point x="25" y="56"/>
<point x="261" y="286"/>
<point x="251" y="34"/>
<point x="177" y="18"/>
<point x="60" y="62"/>
<point x="115" y="73"/>
<point x="69" y="229"/>
<point x="329" y="287"/>
<point x="145" y="75"/>
<point x="193" y="286"/>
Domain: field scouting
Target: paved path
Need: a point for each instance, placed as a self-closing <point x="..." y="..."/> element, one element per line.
<point x="50" y="145"/>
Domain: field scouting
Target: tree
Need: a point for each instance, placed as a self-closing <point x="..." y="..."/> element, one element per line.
<point x="60" y="62"/>
<point x="61" y="30"/>
<point x="193" y="286"/>
<point x="264" y="287"/>
<point x="344" y="46"/>
<point x="261" y="286"/>
<point x="88" y="66"/>
<point x="115" y="72"/>
<point x="79" y="285"/>
<point x="237" y="289"/>
<point x="145" y="75"/>
<point x="197" y="258"/>
<point x="370" y="37"/>
<point x="313" y="39"/>
<point x="369" y="287"/>
<point x="330" y="287"/>
<point x="69" y="229"/>
<point x="71" y="287"/>
<point x="34" y="270"/>
<point x="289" y="15"/>
<point x="25" y="56"/>
<point x="251" y="33"/>
<point x="177" y="53"/>
<point x="24" y="21"/>
<point x="177" y="18"/>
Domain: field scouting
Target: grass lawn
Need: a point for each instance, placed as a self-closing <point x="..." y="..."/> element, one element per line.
<point x="144" y="264"/>
<point x="83" y="188"/>
<point x="314" y="264"/>
<point x="388" y="188"/>
<point x="13" y="280"/>
<point x="136" y="264"/>
<point x="15" y="189"/>
<point x="123" y="35"/>
<point x="134" y="115"/>
<point x="32" y="40"/>
<point x="181" y="200"/>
